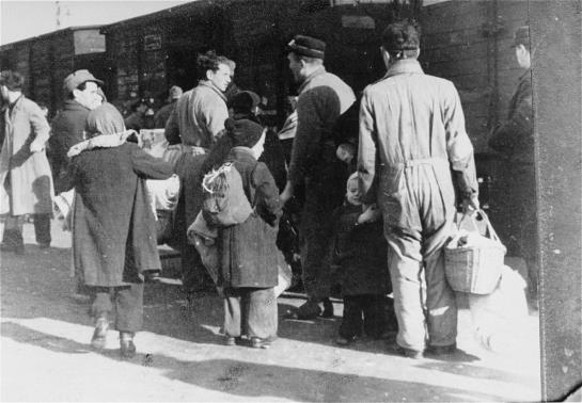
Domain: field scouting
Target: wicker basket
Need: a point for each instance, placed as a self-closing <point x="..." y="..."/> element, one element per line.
<point x="476" y="268"/>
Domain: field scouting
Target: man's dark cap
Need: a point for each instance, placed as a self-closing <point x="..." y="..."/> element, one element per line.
<point x="307" y="46"/>
<point x="521" y="36"/>
<point x="401" y="36"/>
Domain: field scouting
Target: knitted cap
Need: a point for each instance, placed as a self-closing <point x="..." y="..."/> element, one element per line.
<point x="243" y="132"/>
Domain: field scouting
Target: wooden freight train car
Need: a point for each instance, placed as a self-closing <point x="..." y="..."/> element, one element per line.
<point x="47" y="59"/>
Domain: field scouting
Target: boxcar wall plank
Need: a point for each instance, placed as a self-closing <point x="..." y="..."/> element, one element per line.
<point x="557" y="103"/>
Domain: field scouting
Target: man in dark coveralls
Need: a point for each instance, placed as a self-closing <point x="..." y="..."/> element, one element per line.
<point x="323" y="97"/>
<point x="515" y="140"/>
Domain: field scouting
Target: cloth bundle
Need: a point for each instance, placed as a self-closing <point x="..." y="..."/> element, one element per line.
<point x="204" y="238"/>
<point x="63" y="205"/>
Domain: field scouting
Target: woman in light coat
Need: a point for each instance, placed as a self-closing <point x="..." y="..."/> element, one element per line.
<point x="26" y="185"/>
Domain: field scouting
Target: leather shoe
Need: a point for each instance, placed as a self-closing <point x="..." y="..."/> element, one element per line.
<point x="441" y="350"/>
<point x="257" y="342"/>
<point x="307" y="311"/>
<point x="405" y="352"/>
<point x="127" y="347"/>
<point x="344" y="341"/>
<point x="232" y="341"/>
<point x="99" y="338"/>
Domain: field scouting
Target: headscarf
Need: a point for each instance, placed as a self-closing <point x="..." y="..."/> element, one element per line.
<point x="104" y="129"/>
<point x="105" y="119"/>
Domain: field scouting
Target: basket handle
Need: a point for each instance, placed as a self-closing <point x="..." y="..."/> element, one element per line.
<point x="490" y="229"/>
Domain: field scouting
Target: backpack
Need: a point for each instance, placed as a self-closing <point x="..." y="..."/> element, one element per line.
<point x="224" y="201"/>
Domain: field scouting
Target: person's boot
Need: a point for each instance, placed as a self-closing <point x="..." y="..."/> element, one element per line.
<point x="327" y="308"/>
<point x="99" y="338"/>
<point x="309" y="310"/>
<point x="126" y="346"/>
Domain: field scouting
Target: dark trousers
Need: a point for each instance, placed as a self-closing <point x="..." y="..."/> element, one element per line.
<point x="365" y="312"/>
<point x="251" y="312"/>
<point x="316" y="234"/>
<point x="13" y="230"/>
<point x="126" y="302"/>
<point x="42" y="228"/>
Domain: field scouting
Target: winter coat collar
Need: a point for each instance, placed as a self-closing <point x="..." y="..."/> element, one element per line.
<point x="73" y="105"/>
<point x="319" y="71"/>
<point x="209" y="84"/>
<point x="405" y="66"/>
<point x="16" y="104"/>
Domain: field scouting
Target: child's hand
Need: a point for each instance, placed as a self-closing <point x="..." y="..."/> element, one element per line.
<point x="371" y="213"/>
<point x="345" y="152"/>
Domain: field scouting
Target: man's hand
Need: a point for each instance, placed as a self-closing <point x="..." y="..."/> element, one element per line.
<point x="471" y="204"/>
<point x="287" y="193"/>
<point x="36" y="146"/>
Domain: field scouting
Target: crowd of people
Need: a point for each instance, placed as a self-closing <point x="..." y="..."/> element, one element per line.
<point x="374" y="177"/>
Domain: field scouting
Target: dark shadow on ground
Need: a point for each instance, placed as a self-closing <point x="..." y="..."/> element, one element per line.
<point x="250" y="379"/>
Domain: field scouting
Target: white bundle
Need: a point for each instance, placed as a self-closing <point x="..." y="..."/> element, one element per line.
<point x="164" y="193"/>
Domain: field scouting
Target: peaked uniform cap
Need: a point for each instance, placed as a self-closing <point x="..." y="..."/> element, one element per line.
<point x="307" y="46"/>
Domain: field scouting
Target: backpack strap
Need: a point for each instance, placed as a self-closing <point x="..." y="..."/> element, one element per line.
<point x="252" y="189"/>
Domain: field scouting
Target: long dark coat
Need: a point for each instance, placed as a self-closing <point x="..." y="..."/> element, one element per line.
<point x="67" y="130"/>
<point x="248" y="251"/>
<point x="114" y="237"/>
<point x="359" y="253"/>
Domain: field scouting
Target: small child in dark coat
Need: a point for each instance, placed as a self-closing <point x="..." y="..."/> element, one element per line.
<point x="360" y="257"/>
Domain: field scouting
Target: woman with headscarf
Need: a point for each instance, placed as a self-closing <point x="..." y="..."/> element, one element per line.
<point x="114" y="230"/>
<point x="248" y="255"/>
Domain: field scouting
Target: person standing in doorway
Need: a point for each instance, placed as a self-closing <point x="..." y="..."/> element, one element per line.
<point x="323" y="97"/>
<point x="514" y="139"/>
<point x="412" y="136"/>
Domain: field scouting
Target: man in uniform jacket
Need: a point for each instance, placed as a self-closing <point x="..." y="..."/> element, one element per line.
<point x="323" y="97"/>
<point x="412" y="135"/>
<point x="514" y="139"/>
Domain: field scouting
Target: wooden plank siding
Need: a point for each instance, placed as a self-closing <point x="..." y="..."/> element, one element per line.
<point x="45" y="61"/>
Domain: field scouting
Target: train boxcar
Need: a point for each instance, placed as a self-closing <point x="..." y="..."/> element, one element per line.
<point x="47" y="59"/>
